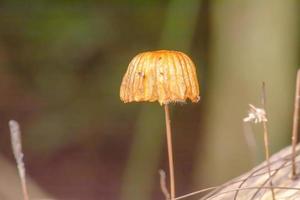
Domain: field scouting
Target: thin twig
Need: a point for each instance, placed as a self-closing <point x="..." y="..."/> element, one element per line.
<point x="18" y="154"/>
<point x="170" y="152"/>
<point x="163" y="184"/>
<point x="295" y="126"/>
<point x="266" y="138"/>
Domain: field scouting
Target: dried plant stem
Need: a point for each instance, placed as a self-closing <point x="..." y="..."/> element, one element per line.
<point x="266" y="144"/>
<point x="266" y="139"/>
<point x="163" y="184"/>
<point x="24" y="189"/>
<point x="170" y="151"/>
<point x="295" y="126"/>
<point x="18" y="154"/>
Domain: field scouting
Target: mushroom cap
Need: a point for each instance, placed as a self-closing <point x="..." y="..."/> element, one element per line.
<point x="164" y="76"/>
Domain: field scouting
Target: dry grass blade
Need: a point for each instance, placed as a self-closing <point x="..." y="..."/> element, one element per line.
<point x="163" y="184"/>
<point x="254" y="182"/>
<point x="18" y="154"/>
<point x="254" y="188"/>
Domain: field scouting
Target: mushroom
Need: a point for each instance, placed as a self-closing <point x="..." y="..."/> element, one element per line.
<point x="164" y="76"/>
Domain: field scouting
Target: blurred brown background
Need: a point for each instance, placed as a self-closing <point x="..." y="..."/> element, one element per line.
<point x="61" y="65"/>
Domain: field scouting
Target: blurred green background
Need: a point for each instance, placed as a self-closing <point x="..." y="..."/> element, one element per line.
<point x="61" y="66"/>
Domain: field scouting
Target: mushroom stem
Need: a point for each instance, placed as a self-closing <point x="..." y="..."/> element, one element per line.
<point x="295" y="126"/>
<point x="170" y="151"/>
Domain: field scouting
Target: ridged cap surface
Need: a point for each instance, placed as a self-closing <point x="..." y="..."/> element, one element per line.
<point x="163" y="76"/>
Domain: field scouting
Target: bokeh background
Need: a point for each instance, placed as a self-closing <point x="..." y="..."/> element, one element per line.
<point x="61" y="65"/>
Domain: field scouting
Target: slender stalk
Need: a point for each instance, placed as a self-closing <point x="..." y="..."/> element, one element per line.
<point x="266" y="142"/>
<point x="295" y="126"/>
<point x="170" y="151"/>
<point x="266" y="139"/>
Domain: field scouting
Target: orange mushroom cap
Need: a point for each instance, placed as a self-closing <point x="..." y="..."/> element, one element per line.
<point x="164" y="76"/>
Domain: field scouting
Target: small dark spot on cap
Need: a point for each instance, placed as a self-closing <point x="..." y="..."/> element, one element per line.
<point x="141" y="74"/>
